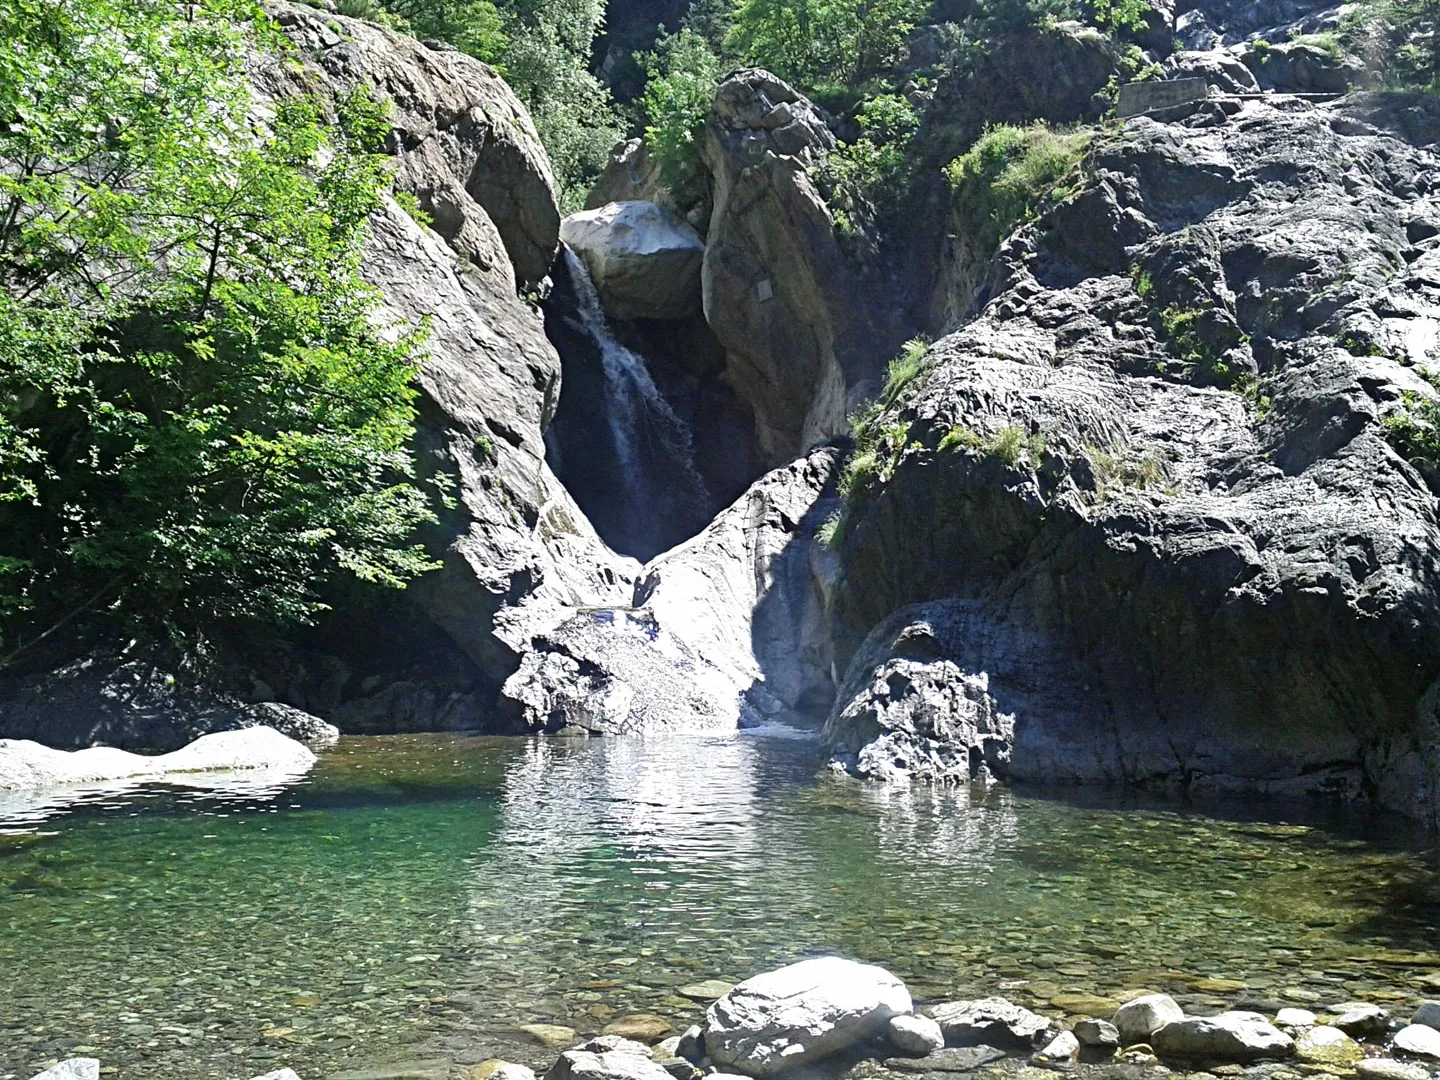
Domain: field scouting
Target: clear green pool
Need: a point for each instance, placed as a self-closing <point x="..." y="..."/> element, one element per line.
<point x="419" y="897"/>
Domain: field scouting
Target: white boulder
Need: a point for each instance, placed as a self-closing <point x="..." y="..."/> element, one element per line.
<point x="917" y="1035"/>
<point x="1139" y="1019"/>
<point x="26" y="765"/>
<point x="1060" y="1050"/>
<point x="1419" y="1039"/>
<point x="993" y="1021"/>
<point x="1231" y="1036"/>
<point x="644" y="260"/>
<point x="280" y="1074"/>
<point x="800" y="1014"/>
<point x="619" y="1064"/>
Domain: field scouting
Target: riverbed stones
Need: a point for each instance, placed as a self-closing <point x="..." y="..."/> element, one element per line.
<point x="1419" y="1039"/>
<point x="918" y="1035"/>
<point x="1360" y="1019"/>
<point x="645" y="1027"/>
<point x="1390" y="1069"/>
<point x="799" y="1014"/>
<point x="291" y="1074"/>
<point x="993" y="1021"/>
<point x="73" y="1069"/>
<point x="1097" y="1033"/>
<point x="1326" y="1045"/>
<point x="1231" y="1036"/>
<point x="952" y="1059"/>
<point x="1137" y="1020"/>
<point x="1428" y="1014"/>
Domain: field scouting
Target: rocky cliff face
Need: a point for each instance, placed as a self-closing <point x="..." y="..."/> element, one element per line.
<point x="1166" y="580"/>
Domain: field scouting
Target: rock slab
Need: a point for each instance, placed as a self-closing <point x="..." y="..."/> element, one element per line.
<point x="1232" y="1036"/>
<point x="992" y="1021"/>
<point x="644" y="260"/>
<point x="799" y="1014"/>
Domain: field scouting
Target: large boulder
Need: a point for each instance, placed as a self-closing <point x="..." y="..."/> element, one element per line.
<point x="1162" y="448"/>
<point x="26" y="765"/>
<point x="598" y="1063"/>
<point x="1231" y="1036"/>
<point x="801" y="1013"/>
<point x="1137" y="1020"/>
<point x="778" y="291"/>
<point x="644" y="260"/>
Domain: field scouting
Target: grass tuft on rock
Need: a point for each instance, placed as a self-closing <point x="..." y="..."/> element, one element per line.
<point x="1012" y="174"/>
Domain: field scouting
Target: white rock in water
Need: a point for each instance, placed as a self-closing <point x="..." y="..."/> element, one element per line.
<point x="645" y="262"/>
<point x="72" y="1069"/>
<point x="1359" y="1018"/>
<point x="1064" y="1047"/>
<point x="29" y="765"/>
<point x="801" y="1013"/>
<point x="1295" y="1018"/>
<point x="918" y="1035"/>
<point x="1232" y="1036"/>
<point x="1419" y="1039"/>
<point x="280" y="1074"/>
<point x="1139" y="1019"/>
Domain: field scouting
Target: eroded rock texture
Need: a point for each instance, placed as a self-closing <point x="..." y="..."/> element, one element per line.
<point x="1167" y="580"/>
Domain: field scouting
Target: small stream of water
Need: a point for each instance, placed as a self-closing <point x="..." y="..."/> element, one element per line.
<point x="423" y="896"/>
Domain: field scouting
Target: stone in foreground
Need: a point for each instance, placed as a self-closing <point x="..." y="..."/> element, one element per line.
<point x="73" y="1069"/>
<point x="1139" y="1019"/>
<point x="1428" y="1014"/>
<point x="1359" y="1019"/>
<point x="1097" y="1033"/>
<point x="1390" y="1069"/>
<point x="1061" y="1050"/>
<point x="993" y="1021"/>
<point x="799" y="1014"/>
<point x="1325" y="1045"/>
<point x="28" y="765"/>
<point x="620" y="1064"/>
<point x="1419" y="1039"/>
<point x="1231" y="1036"/>
<point x="955" y="1059"/>
<point x="280" y="1074"/>
<point x="918" y="1035"/>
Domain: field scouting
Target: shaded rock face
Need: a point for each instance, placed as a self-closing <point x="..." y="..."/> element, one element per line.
<point x="644" y="260"/>
<point x="136" y="703"/>
<point x="516" y="548"/>
<point x="727" y="627"/>
<point x="1176" y="583"/>
<point x="778" y="292"/>
<point x="1207" y="24"/>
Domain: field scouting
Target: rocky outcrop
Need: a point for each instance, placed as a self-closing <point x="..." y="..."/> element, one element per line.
<point x="726" y="627"/>
<point x="1164" y="579"/>
<point x="515" y="548"/>
<point x="778" y="292"/>
<point x="644" y="261"/>
<point x="801" y="1013"/>
<point x="26" y="765"/>
<point x="137" y="703"/>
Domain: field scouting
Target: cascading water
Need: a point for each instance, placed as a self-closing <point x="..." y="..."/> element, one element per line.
<point x="655" y="494"/>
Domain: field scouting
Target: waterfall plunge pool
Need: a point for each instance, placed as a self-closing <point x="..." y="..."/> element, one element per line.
<point x="422" y="897"/>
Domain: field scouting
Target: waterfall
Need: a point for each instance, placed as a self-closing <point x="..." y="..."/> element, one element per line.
<point x="653" y="446"/>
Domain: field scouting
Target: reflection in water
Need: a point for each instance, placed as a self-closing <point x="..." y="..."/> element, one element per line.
<point x="425" y="894"/>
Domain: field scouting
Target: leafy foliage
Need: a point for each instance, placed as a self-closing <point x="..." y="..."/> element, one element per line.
<point x="1011" y="174"/>
<point x="1414" y="430"/>
<point x="873" y="171"/>
<point x="683" y="71"/>
<point x="1402" y="36"/>
<point x="811" y="42"/>
<point x="198" y="420"/>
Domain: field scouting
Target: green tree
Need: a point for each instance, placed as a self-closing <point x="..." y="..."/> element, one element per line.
<point x="820" y="42"/>
<point x="199" y="421"/>
<point x="1409" y="32"/>
<point x="472" y="26"/>
<point x="680" y="88"/>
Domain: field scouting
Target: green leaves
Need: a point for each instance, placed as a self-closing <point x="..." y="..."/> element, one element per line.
<point x="682" y="74"/>
<point x="199" y="419"/>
